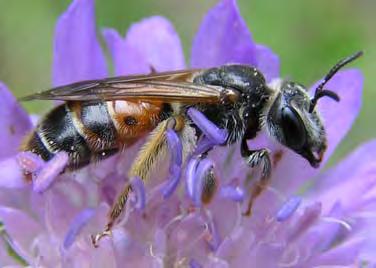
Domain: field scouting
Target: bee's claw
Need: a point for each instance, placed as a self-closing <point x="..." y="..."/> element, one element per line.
<point x="95" y="239"/>
<point x="247" y="213"/>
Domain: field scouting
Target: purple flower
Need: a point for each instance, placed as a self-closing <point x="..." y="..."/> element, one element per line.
<point x="48" y="223"/>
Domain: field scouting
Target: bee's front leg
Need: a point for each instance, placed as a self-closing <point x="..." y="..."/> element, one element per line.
<point x="254" y="158"/>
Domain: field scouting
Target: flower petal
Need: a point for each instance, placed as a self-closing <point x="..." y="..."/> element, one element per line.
<point x="339" y="117"/>
<point x="344" y="255"/>
<point x="15" y="123"/>
<point x="310" y="215"/>
<point x="156" y="39"/>
<point x="267" y="62"/>
<point x="149" y="44"/>
<point x="21" y="228"/>
<point x="126" y="59"/>
<point x="351" y="183"/>
<point x="60" y="205"/>
<point x="77" y="53"/>
<point x="237" y="242"/>
<point x="223" y="38"/>
<point x="349" y="168"/>
<point x="12" y="175"/>
<point x="213" y="239"/>
<point x="190" y="231"/>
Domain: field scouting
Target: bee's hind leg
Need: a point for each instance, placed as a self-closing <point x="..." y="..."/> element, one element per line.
<point x="164" y="134"/>
<point x="256" y="158"/>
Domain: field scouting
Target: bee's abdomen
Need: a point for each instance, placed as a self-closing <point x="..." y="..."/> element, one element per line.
<point x="89" y="132"/>
<point x="85" y="132"/>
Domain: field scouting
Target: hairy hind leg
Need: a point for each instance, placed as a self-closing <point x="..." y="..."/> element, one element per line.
<point x="141" y="167"/>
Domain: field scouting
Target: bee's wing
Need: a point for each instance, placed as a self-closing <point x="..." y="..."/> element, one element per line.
<point x="167" y="87"/>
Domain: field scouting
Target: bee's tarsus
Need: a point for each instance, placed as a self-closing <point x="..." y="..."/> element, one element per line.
<point x="96" y="238"/>
<point x="256" y="190"/>
<point x="255" y="158"/>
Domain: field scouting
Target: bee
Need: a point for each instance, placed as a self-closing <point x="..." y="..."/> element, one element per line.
<point x="102" y="117"/>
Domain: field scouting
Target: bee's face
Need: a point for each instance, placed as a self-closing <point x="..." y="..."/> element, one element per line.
<point x="290" y="122"/>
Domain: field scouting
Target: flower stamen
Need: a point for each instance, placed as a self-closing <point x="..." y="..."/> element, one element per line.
<point x="288" y="208"/>
<point x="30" y="162"/>
<point x="138" y="188"/>
<point x="204" y="145"/>
<point x="76" y="226"/>
<point x="176" y="159"/>
<point x="196" y="178"/>
<point x="194" y="264"/>
<point x="210" y="130"/>
<point x="213" y="239"/>
<point x="343" y="223"/>
<point x="44" y="178"/>
<point x="235" y="194"/>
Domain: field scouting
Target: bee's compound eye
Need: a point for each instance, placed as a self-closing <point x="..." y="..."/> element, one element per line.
<point x="293" y="128"/>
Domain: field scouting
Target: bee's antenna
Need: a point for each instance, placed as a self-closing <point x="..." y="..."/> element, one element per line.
<point x="320" y="92"/>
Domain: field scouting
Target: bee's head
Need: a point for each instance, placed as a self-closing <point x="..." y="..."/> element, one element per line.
<point x="293" y="120"/>
<point x="292" y="124"/>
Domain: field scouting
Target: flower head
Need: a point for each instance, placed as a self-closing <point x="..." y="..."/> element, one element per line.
<point x="200" y="223"/>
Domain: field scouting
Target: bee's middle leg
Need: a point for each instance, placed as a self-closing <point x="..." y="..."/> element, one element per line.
<point x="256" y="158"/>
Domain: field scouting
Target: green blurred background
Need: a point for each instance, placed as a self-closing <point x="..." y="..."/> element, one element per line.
<point x="297" y="30"/>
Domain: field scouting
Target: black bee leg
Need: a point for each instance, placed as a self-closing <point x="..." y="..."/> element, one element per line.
<point x="257" y="158"/>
